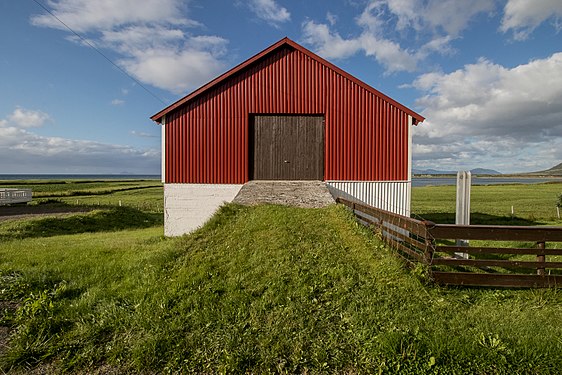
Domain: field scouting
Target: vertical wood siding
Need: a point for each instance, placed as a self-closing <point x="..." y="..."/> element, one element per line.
<point x="207" y="138"/>
<point x="390" y="196"/>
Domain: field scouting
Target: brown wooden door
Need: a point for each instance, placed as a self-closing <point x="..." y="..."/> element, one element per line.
<point x="287" y="147"/>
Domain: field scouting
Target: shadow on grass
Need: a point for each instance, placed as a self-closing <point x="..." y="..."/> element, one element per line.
<point x="99" y="220"/>
<point x="45" y="206"/>
<point x="479" y="219"/>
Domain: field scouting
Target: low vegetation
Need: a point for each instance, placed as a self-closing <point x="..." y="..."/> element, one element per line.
<point x="533" y="204"/>
<point x="256" y="290"/>
<point x="145" y="194"/>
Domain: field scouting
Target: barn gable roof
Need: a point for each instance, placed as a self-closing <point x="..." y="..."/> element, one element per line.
<point x="280" y="44"/>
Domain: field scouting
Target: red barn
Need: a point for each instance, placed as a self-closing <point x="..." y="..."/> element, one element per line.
<point x="284" y="114"/>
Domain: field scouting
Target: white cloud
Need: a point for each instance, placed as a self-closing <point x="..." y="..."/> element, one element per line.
<point x="441" y="16"/>
<point x="389" y="53"/>
<point x="270" y="11"/>
<point x="35" y="153"/>
<point x="25" y="118"/>
<point x="327" y="43"/>
<point x="385" y="24"/>
<point x="175" y="70"/>
<point x="331" y="45"/>
<point x="523" y="16"/>
<point x="331" y="18"/>
<point x="486" y="110"/>
<point x="144" y="34"/>
<point x="143" y="134"/>
<point x="86" y="15"/>
<point x="117" y="102"/>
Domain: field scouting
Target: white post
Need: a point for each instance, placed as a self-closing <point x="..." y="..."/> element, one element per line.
<point x="464" y="182"/>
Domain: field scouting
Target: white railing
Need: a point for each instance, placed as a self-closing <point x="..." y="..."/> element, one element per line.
<point x="9" y="196"/>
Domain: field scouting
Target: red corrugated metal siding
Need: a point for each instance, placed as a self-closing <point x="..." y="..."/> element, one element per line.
<point x="207" y="138"/>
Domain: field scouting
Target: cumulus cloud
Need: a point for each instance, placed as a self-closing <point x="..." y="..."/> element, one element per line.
<point x="332" y="46"/>
<point x="270" y="11"/>
<point x="25" y="118"/>
<point x="144" y="34"/>
<point x="523" y="16"/>
<point x="384" y="24"/>
<point x="35" y="153"/>
<point x="448" y="17"/>
<point x="87" y="15"/>
<point x="327" y="43"/>
<point x="487" y="110"/>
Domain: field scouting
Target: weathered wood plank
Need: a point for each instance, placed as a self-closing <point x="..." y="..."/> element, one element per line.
<point x="494" y="263"/>
<point x="388" y="231"/>
<point x="397" y="245"/>
<point x="412" y="225"/>
<point x="287" y="147"/>
<point x="496" y="233"/>
<point x="497" y="280"/>
<point x="498" y="250"/>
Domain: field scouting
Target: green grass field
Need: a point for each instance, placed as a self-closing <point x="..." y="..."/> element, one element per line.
<point x="533" y="204"/>
<point x="145" y="194"/>
<point x="264" y="289"/>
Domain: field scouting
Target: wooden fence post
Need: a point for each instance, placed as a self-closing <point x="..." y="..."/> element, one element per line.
<point x="541" y="258"/>
<point x="429" y="242"/>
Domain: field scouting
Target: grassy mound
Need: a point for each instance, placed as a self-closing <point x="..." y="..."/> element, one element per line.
<point x="256" y="290"/>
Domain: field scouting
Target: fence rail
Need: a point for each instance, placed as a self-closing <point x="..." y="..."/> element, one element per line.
<point x="493" y="265"/>
<point x="11" y="196"/>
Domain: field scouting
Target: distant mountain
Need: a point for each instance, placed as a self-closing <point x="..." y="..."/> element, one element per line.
<point x="554" y="171"/>
<point x="431" y="171"/>
<point x="484" y="171"/>
<point x="475" y="171"/>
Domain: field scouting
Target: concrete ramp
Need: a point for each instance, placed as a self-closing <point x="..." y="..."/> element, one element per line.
<point x="308" y="194"/>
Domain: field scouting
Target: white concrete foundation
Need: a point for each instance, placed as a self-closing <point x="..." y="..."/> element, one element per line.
<point x="188" y="206"/>
<point x="393" y="196"/>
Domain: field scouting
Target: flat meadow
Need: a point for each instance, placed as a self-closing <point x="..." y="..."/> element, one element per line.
<point x="262" y="289"/>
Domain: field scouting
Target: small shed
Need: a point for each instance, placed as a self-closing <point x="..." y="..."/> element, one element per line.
<point x="283" y="114"/>
<point x="13" y="196"/>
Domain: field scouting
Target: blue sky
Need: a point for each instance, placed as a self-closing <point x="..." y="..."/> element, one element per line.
<point x="487" y="74"/>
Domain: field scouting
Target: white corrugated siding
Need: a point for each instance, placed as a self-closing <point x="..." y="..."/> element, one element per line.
<point x="393" y="196"/>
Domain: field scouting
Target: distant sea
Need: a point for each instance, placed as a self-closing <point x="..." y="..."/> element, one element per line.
<point x="4" y="177"/>
<point x="440" y="181"/>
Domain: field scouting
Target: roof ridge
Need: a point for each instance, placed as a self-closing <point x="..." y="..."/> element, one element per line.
<point x="284" y="41"/>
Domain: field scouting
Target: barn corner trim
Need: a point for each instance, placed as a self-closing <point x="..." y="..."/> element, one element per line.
<point x="158" y="117"/>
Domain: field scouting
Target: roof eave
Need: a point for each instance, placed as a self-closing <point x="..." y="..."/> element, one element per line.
<point x="158" y="116"/>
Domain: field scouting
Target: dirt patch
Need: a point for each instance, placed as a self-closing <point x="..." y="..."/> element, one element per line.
<point x="308" y="194"/>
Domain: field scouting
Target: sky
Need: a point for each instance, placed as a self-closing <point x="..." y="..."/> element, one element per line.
<point x="486" y="74"/>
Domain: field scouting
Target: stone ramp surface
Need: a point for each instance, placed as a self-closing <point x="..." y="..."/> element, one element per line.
<point x="308" y="194"/>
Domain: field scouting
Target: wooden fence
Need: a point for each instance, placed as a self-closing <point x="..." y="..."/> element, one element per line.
<point x="486" y="264"/>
